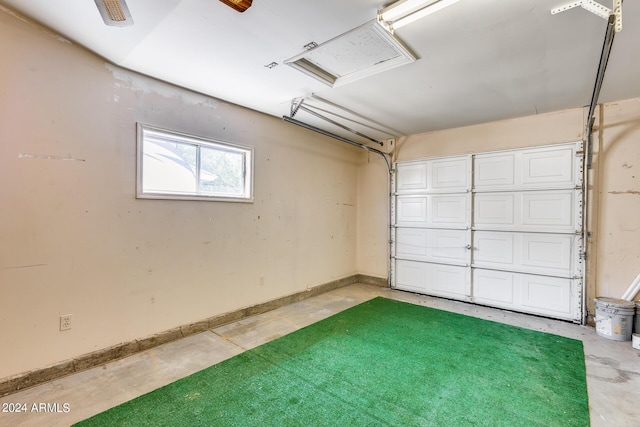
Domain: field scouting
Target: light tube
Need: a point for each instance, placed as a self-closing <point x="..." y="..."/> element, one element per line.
<point x="403" y="8"/>
<point x="405" y="12"/>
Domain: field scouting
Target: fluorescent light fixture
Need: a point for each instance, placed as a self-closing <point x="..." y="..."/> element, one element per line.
<point x="404" y="12"/>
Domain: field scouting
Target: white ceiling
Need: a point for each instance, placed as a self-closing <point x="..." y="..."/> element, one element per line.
<point x="479" y="60"/>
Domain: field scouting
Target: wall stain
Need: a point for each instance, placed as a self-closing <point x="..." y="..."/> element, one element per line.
<point x="633" y="192"/>
<point x="128" y="80"/>
<point x="47" y="157"/>
<point x="626" y="166"/>
<point x="23" y="266"/>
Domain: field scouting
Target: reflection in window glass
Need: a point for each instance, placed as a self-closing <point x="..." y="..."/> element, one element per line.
<point x="169" y="167"/>
<point x="221" y="172"/>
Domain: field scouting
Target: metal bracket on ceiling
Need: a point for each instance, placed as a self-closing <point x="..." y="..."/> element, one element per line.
<point x="295" y="106"/>
<point x="340" y="125"/>
<point x="329" y="108"/>
<point x="597" y="9"/>
<point x="363" y="120"/>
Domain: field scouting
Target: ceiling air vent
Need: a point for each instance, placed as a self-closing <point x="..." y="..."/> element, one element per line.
<point x="361" y="52"/>
<point x="239" y="5"/>
<point x="114" y="12"/>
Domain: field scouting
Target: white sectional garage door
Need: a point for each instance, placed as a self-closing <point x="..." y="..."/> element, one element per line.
<point x="501" y="229"/>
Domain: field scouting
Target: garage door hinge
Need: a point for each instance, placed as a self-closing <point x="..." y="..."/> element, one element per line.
<point x="583" y="255"/>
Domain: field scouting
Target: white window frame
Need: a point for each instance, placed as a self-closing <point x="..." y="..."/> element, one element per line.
<point x="150" y="131"/>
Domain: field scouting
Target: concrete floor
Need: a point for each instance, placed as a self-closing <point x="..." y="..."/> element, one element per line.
<point x="613" y="368"/>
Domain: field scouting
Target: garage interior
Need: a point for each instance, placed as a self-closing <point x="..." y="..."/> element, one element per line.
<point x="484" y="115"/>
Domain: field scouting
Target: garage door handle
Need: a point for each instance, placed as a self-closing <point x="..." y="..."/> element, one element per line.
<point x="468" y="246"/>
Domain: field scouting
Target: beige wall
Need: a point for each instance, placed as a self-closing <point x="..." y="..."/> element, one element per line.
<point x="544" y="129"/>
<point x="617" y="236"/>
<point x="75" y="240"/>
<point x="373" y="217"/>
<point x="614" y="248"/>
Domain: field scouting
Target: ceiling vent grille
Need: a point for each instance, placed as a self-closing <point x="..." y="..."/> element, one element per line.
<point x="114" y="12"/>
<point x="239" y="5"/>
<point x="361" y="52"/>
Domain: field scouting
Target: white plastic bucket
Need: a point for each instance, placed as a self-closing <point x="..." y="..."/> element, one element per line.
<point x="614" y="318"/>
<point x="635" y="341"/>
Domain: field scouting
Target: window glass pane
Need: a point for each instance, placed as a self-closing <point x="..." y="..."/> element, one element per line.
<point x="180" y="166"/>
<point x="221" y="172"/>
<point x="169" y="167"/>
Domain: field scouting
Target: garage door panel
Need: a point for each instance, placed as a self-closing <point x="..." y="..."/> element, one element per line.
<point x="449" y="210"/>
<point x="494" y="171"/>
<point x="443" y="211"/>
<point x="548" y="209"/>
<point x="549" y="253"/>
<point x="411" y="276"/>
<point x="538" y="253"/>
<point x="411" y="177"/>
<point x="411" y="210"/>
<point x="435" y="245"/>
<point x="433" y="279"/>
<point x="529" y="169"/>
<point x="494" y="288"/>
<point x="449" y="281"/>
<point x="548" y="166"/>
<point x="495" y="209"/>
<point x="493" y="249"/>
<point x="449" y="246"/>
<point x="411" y="243"/>
<point x="450" y="174"/>
<point x="545" y="295"/>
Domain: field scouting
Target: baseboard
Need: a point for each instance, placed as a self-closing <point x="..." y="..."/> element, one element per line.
<point x="90" y="360"/>
<point x="374" y="281"/>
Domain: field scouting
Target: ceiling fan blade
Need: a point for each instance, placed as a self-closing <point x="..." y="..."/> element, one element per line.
<point x="239" y="5"/>
<point x="115" y="13"/>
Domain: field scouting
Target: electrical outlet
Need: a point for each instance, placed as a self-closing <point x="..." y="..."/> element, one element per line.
<point x="261" y="281"/>
<point x="65" y="322"/>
